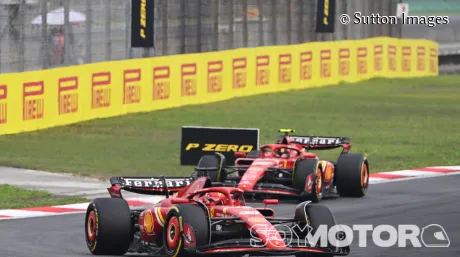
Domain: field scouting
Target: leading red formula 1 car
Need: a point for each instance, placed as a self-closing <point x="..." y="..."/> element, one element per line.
<point x="198" y="219"/>
<point x="288" y="169"/>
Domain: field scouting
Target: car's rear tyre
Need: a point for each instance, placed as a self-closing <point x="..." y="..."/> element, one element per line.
<point x="314" y="215"/>
<point x="186" y="228"/>
<point x="352" y="175"/>
<point x="308" y="171"/>
<point x="108" y="228"/>
<point x="216" y="160"/>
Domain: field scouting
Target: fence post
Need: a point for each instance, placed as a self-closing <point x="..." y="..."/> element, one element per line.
<point x="182" y="26"/>
<point x="245" y="23"/>
<point x="22" y="7"/>
<point x="45" y="55"/>
<point x="400" y="24"/>
<point x="88" y="31"/>
<point x="67" y="33"/>
<point x="310" y="11"/>
<point x="128" y="53"/>
<point x="260" y="26"/>
<point x="108" y="27"/>
<point x="215" y="27"/>
<point x="289" y="22"/>
<point x="300" y="22"/>
<point x="198" y="27"/>
<point x="230" y="25"/>
<point x="390" y="11"/>
<point x="274" y="23"/>
<point x="165" y="27"/>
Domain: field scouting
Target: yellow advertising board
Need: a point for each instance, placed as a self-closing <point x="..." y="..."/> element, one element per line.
<point x="42" y="99"/>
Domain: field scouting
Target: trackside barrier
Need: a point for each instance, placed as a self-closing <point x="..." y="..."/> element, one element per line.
<point x="42" y="99"/>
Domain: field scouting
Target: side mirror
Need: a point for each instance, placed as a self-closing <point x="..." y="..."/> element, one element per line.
<point x="270" y="201"/>
<point x="240" y="154"/>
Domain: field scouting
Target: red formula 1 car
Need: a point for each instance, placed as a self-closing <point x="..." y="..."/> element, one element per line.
<point x="288" y="169"/>
<point x="199" y="219"/>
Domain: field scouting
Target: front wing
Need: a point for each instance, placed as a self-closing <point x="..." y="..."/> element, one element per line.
<point x="244" y="246"/>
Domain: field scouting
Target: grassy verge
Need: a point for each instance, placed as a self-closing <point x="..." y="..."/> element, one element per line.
<point x="14" y="197"/>
<point x="400" y="124"/>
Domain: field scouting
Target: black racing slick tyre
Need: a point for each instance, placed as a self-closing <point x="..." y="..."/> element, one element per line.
<point x="216" y="160"/>
<point x="315" y="216"/>
<point x="352" y="175"/>
<point x="108" y="228"/>
<point x="187" y="227"/>
<point x="300" y="179"/>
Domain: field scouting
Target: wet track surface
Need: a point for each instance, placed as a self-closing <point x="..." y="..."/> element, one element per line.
<point x="421" y="202"/>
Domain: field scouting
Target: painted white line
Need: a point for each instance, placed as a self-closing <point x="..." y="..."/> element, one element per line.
<point x="49" y="214"/>
<point x="23" y="213"/>
<point x="377" y="180"/>
<point x="412" y="173"/>
<point x="80" y="206"/>
<point x="412" y="178"/>
<point x="447" y="167"/>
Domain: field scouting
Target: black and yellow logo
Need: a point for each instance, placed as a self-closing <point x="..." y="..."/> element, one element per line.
<point x="219" y="147"/>
<point x="143" y="20"/>
<point x="326" y="12"/>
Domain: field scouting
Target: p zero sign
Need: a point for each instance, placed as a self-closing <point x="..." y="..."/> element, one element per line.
<point x="142" y="23"/>
<point x="199" y="141"/>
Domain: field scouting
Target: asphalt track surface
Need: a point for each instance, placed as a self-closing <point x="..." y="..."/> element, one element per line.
<point x="420" y="201"/>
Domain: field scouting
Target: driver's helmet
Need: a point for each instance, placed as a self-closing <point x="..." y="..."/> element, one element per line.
<point x="282" y="153"/>
<point x="214" y="199"/>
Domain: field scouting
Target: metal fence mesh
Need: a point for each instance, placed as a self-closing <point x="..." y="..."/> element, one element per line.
<point x="181" y="26"/>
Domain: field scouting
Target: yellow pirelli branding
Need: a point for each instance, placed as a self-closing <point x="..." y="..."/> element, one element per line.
<point x="189" y="79"/>
<point x="3" y="104"/>
<point x="101" y="90"/>
<point x="132" y="86"/>
<point x="306" y="68"/>
<point x="161" y="82"/>
<point x="215" y="76"/>
<point x="33" y="100"/>
<point x="285" y="68"/>
<point x="68" y="95"/>
<point x="218" y="147"/>
<point x="240" y="74"/>
<point x="262" y="70"/>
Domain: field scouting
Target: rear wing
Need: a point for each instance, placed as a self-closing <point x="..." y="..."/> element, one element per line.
<point x="322" y="142"/>
<point x="148" y="185"/>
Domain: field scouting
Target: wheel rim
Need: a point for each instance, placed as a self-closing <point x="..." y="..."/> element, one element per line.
<point x="173" y="233"/>
<point x="91" y="227"/>
<point x="319" y="184"/>
<point x="364" y="176"/>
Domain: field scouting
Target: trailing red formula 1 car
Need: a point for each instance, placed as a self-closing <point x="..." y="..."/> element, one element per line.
<point x="288" y="169"/>
<point x="198" y="219"/>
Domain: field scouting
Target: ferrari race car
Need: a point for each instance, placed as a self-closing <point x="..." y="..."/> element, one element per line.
<point x="199" y="219"/>
<point x="289" y="169"/>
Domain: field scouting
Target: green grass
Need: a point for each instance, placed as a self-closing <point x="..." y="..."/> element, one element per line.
<point x="14" y="197"/>
<point x="399" y="123"/>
